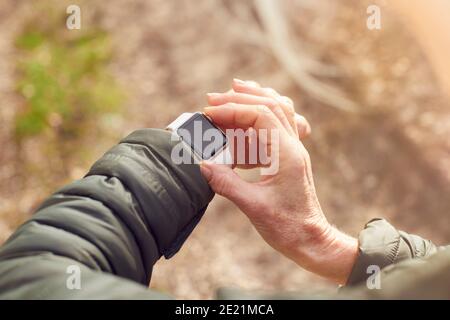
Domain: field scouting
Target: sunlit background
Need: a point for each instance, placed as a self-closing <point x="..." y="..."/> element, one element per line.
<point x="380" y="123"/>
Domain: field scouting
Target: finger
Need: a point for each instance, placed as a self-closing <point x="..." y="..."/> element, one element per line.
<point x="246" y="150"/>
<point x="269" y="129"/>
<point x="243" y="98"/>
<point x="285" y="103"/>
<point x="303" y="126"/>
<point x="251" y="88"/>
<point x="233" y="115"/>
<point x="249" y="82"/>
<point x="224" y="181"/>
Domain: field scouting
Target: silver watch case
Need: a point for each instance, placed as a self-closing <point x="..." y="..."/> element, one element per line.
<point x="223" y="156"/>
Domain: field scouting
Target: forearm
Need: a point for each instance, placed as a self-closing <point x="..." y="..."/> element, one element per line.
<point x="329" y="253"/>
<point x="133" y="206"/>
<point x="337" y="256"/>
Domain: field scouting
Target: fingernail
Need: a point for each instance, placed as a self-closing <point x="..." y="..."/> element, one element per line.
<point x="208" y="110"/>
<point x="205" y="170"/>
<point x="286" y="100"/>
<point x="251" y="84"/>
<point x="239" y="81"/>
<point x="213" y="94"/>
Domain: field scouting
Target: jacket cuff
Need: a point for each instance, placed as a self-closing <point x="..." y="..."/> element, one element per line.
<point x="380" y="245"/>
<point x="171" y="197"/>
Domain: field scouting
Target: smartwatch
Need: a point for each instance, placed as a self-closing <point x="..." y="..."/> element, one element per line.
<point x="202" y="137"/>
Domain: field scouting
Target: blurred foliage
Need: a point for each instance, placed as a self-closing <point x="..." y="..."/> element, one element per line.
<point x="63" y="79"/>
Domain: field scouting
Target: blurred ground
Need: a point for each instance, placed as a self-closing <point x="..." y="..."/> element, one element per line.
<point x="391" y="159"/>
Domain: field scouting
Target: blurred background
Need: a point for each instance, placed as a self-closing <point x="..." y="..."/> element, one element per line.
<point x="380" y="122"/>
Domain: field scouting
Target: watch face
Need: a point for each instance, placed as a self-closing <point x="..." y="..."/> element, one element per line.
<point x="202" y="135"/>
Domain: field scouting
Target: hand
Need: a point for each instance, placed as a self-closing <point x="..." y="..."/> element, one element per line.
<point x="283" y="207"/>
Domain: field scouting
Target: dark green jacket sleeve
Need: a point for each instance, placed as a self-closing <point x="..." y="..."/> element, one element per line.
<point x="381" y="245"/>
<point x="132" y="207"/>
<point x="407" y="266"/>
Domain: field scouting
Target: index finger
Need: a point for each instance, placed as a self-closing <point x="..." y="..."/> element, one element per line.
<point x="243" y="116"/>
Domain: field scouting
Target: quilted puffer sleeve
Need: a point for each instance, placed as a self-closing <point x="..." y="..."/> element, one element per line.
<point x="381" y="245"/>
<point x="133" y="206"/>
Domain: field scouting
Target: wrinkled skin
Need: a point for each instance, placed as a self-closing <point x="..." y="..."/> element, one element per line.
<point x="283" y="206"/>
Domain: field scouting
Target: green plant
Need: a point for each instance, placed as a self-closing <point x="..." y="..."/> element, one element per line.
<point x="63" y="79"/>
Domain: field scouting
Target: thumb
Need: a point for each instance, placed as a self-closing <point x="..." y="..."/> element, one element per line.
<point x="224" y="181"/>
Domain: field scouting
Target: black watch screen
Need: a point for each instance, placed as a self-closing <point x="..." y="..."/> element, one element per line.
<point x="202" y="136"/>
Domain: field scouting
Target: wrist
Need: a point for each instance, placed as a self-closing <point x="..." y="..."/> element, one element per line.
<point x="328" y="252"/>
